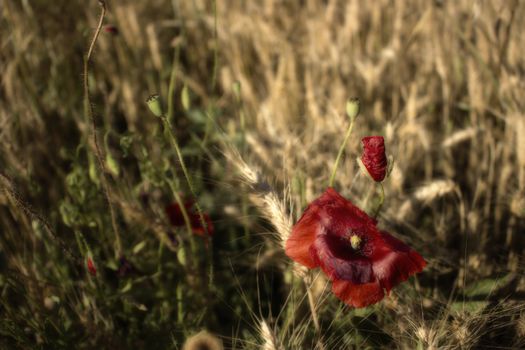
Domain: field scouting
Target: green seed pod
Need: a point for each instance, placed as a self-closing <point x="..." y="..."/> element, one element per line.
<point x="352" y="108"/>
<point x="93" y="171"/>
<point x="154" y="105"/>
<point x="185" y="98"/>
<point x="181" y="255"/>
<point x="112" y="165"/>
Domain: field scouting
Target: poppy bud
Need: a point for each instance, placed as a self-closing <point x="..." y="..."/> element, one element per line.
<point x="91" y="267"/>
<point x="185" y="98"/>
<point x="352" y="108"/>
<point x="111" y="29"/>
<point x="373" y="158"/>
<point x="154" y="105"/>
<point x="112" y="165"/>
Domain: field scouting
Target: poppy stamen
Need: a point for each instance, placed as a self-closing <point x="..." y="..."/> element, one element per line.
<point x="355" y="242"/>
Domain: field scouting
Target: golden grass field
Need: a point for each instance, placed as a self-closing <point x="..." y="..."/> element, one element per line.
<point x="255" y="95"/>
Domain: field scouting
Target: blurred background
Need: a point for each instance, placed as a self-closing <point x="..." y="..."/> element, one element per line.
<point x="91" y="257"/>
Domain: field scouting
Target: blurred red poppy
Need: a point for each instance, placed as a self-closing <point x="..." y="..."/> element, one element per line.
<point x="111" y="29"/>
<point x="374" y="157"/>
<point x="360" y="260"/>
<point x="91" y="267"/>
<point x="174" y="213"/>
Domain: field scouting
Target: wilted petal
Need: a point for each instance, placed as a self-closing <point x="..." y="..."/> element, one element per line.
<point x="358" y="295"/>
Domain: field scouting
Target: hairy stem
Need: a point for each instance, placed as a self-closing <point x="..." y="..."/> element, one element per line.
<point x="381" y="199"/>
<point x="88" y="110"/>
<point x="341" y="151"/>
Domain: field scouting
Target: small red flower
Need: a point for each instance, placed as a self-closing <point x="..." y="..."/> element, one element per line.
<point x="174" y="213"/>
<point x="374" y="157"/>
<point x="111" y="29"/>
<point x="91" y="267"/>
<point x="360" y="260"/>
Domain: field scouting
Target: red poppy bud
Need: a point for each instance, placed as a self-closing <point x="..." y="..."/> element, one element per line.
<point x="91" y="267"/>
<point x="374" y="157"/>
<point x="346" y="244"/>
<point x="111" y="29"/>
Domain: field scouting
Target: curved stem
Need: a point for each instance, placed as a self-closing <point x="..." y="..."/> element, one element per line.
<point x="88" y="110"/>
<point x="340" y="154"/>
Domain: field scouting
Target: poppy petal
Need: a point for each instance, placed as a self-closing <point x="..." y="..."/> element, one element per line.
<point x="358" y="295"/>
<point x="339" y="261"/>
<point x="198" y="228"/>
<point x="398" y="264"/>
<point x="302" y="237"/>
<point x="174" y="213"/>
<point x="340" y="209"/>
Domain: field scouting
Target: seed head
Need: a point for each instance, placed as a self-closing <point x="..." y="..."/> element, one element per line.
<point x="154" y="105"/>
<point x="352" y="108"/>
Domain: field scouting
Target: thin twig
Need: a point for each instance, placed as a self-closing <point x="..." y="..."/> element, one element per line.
<point x="340" y="153"/>
<point x="88" y="110"/>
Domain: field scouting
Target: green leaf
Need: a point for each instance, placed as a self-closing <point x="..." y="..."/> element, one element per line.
<point x="487" y="286"/>
<point x="471" y="307"/>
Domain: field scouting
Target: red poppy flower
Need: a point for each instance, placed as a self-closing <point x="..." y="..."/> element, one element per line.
<point x="174" y="213"/>
<point x="344" y="241"/>
<point x="91" y="267"/>
<point x="374" y="157"/>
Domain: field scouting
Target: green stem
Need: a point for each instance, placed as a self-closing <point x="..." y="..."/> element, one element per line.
<point x="166" y="119"/>
<point x="341" y="150"/>
<point x="185" y="216"/>
<point x="381" y="199"/>
<point x="215" y="48"/>
<point x="171" y="86"/>
<point x="174" y="142"/>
